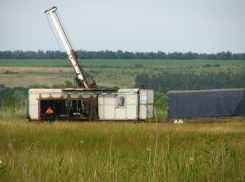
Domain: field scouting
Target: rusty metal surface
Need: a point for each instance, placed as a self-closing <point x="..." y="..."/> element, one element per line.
<point x="39" y="109"/>
<point x="90" y="89"/>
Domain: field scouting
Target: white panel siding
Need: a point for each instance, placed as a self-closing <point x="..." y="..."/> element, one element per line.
<point x="132" y="112"/>
<point x="100" y="112"/>
<point x="33" y="106"/>
<point x="120" y="113"/>
<point x="109" y="111"/>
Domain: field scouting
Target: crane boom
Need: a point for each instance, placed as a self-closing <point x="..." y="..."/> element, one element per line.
<point x="82" y="78"/>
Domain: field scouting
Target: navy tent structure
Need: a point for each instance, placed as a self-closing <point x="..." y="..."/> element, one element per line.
<point x="202" y="103"/>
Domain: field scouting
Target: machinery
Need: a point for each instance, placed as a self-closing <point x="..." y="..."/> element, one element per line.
<point x="83" y="80"/>
<point x="91" y="104"/>
<point x="87" y="103"/>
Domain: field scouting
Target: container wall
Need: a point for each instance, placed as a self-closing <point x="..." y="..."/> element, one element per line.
<point x="33" y="105"/>
<point x="118" y="106"/>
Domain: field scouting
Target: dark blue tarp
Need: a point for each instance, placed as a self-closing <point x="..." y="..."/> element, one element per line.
<point x="201" y="103"/>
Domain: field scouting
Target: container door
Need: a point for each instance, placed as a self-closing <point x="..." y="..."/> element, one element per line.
<point x="146" y="100"/>
<point x="150" y="104"/>
<point x="143" y="104"/>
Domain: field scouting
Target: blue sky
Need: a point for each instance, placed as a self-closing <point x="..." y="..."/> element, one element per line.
<point x="202" y="26"/>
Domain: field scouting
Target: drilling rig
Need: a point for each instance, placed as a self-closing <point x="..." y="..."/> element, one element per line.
<point x="83" y="80"/>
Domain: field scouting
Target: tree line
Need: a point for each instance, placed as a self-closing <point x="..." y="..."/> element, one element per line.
<point x="12" y="95"/>
<point x="83" y="54"/>
<point x="163" y="82"/>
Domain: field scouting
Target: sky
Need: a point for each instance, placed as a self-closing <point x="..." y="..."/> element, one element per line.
<point x="202" y="26"/>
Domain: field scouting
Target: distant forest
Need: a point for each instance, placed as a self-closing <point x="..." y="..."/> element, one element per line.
<point x="82" y="54"/>
<point x="189" y="81"/>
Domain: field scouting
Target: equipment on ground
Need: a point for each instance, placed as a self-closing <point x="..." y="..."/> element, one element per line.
<point x="91" y="104"/>
<point x="83" y="80"/>
<point x="87" y="103"/>
<point x="206" y="103"/>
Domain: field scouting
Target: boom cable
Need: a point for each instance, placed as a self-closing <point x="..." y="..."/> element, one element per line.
<point x="68" y="65"/>
<point x="62" y="25"/>
<point x="53" y="33"/>
<point x="68" y="37"/>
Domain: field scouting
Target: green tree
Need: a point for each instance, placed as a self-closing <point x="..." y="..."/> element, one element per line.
<point x="44" y="86"/>
<point x="160" y="97"/>
<point x="19" y="96"/>
<point x="68" y="84"/>
<point x="216" y="65"/>
<point x="9" y="105"/>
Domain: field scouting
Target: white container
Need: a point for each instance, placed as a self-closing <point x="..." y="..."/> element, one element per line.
<point x="121" y="104"/>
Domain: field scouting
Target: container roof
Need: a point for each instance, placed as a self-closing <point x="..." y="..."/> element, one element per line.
<point x="210" y="90"/>
<point x="91" y="89"/>
<point x="45" y="90"/>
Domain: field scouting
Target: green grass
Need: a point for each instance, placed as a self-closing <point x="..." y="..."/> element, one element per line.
<point x="23" y="73"/>
<point x="117" y="62"/>
<point x="92" y="151"/>
<point x="122" y="77"/>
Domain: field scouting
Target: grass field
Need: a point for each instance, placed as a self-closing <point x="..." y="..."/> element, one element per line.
<point x="105" y="72"/>
<point x="91" y="151"/>
<point x="26" y="76"/>
<point x="116" y="62"/>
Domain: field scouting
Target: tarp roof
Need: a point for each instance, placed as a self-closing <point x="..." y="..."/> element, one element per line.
<point x="211" y="90"/>
<point x="200" y="103"/>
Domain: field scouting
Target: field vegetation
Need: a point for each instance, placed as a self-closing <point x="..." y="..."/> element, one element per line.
<point x="92" y="151"/>
<point x="65" y="151"/>
<point x="108" y="73"/>
<point x="117" y="62"/>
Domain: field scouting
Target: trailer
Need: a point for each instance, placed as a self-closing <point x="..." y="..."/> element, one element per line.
<point x="91" y="104"/>
<point x="207" y="103"/>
